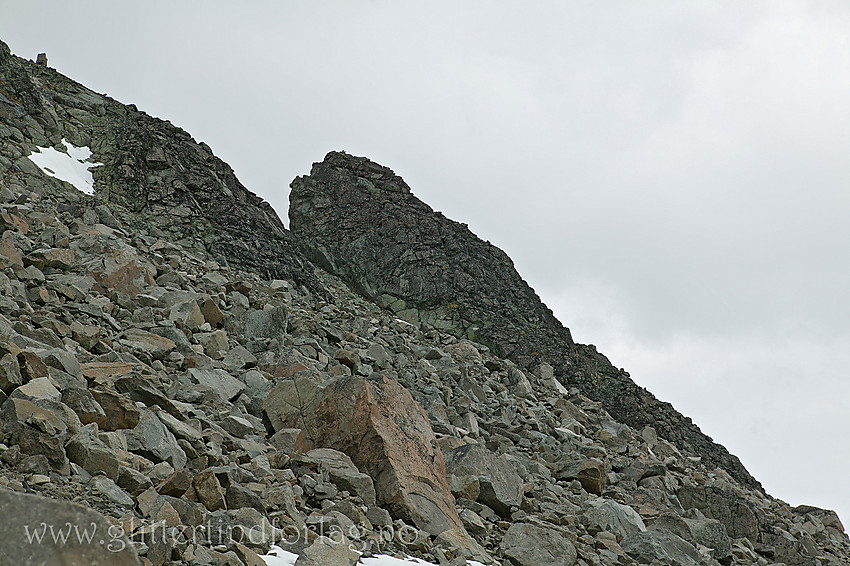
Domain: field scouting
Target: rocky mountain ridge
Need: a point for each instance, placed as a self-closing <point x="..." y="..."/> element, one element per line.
<point x="153" y="170"/>
<point x="360" y="221"/>
<point x="171" y="359"/>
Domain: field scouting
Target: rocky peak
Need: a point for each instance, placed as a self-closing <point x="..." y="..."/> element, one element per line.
<point x="369" y="174"/>
<point x="361" y="221"/>
<point x="351" y="217"/>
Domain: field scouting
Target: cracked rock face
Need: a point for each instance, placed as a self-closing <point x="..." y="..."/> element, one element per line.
<point x="361" y="221"/>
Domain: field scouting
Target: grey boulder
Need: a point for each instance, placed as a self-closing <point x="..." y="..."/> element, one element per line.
<point x="153" y="440"/>
<point x="25" y="519"/>
<point x="500" y="487"/>
<point x="531" y="545"/>
<point x="662" y="546"/>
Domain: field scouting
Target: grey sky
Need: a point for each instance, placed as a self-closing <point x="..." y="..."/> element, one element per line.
<point x="671" y="177"/>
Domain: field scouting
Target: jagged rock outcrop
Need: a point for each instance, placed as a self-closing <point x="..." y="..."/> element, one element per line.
<point x="361" y="221"/>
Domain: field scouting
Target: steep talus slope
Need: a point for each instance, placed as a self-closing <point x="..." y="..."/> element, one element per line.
<point x="155" y="171"/>
<point x="360" y="221"/>
<point x="198" y="410"/>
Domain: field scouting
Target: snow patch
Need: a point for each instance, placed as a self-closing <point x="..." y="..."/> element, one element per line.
<point x="70" y="167"/>
<point x="279" y="557"/>
<point x="384" y="560"/>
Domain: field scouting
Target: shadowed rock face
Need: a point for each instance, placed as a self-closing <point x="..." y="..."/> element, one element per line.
<point x="157" y="173"/>
<point x="361" y="221"/>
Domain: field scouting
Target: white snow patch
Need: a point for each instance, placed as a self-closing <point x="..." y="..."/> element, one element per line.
<point x="70" y="167"/>
<point x="384" y="560"/>
<point x="279" y="557"/>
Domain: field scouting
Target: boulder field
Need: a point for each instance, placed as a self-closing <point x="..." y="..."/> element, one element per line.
<point x="189" y="382"/>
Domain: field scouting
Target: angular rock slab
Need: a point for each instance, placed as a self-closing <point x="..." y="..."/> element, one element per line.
<point x="225" y="385"/>
<point x="608" y="515"/>
<point x="209" y="490"/>
<point x="153" y="440"/>
<point x="290" y="441"/>
<point x="157" y="346"/>
<point x="712" y="534"/>
<point x="10" y="374"/>
<point x="264" y="324"/>
<point x="386" y="434"/>
<point x="720" y="501"/>
<point x="661" y="546"/>
<point x="706" y="532"/>
<point x="36" y="431"/>
<point x="92" y="454"/>
<point x="460" y="544"/>
<point x="288" y="404"/>
<point x="26" y="518"/>
<point x="343" y="473"/>
<point x="500" y="487"/>
<point x="328" y="552"/>
<point x="531" y="545"/>
<point x="590" y="472"/>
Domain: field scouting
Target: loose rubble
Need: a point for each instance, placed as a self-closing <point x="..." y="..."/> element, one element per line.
<point x="205" y="411"/>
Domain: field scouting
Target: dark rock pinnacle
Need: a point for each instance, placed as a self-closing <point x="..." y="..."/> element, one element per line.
<point x="361" y="221"/>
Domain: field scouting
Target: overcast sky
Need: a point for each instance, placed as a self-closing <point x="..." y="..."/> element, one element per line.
<point x="671" y="177"/>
